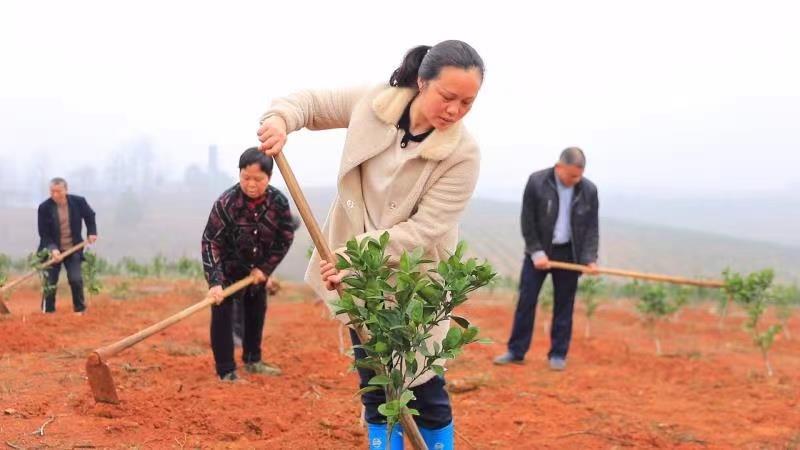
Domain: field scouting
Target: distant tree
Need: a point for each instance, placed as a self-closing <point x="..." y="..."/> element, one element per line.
<point x="83" y="179"/>
<point x="128" y="209"/>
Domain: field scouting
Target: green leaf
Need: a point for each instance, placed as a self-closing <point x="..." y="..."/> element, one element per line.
<point x="430" y="294"/>
<point x="415" y="309"/>
<point x="406" y="397"/>
<point x="438" y="370"/>
<point x="379" y="380"/>
<point x="453" y="338"/>
<point x="469" y="335"/>
<point x="464" y="323"/>
<point x="397" y="378"/>
<point x="412" y="366"/>
<point x="405" y="263"/>
<point x="471" y="264"/>
<point x="389" y="409"/>
<point x="381" y="347"/>
<point x="342" y="263"/>
<point x="460" y="249"/>
<point x="355" y="282"/>
<point x="416" y="255"/>
<point x="423" y="349"/>
<point x="374" y="247"/>
<point x="367" y="364"/>
<point x="367" y="389"/>
<point x="384" y="239"/>
<point x="443" y="269"/>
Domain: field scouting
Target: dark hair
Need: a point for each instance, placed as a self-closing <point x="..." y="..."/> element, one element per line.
<point x="59" y="180"/>
<point x="573" y="156"/>
<point x="427" y="62"/>
<point x="255" y="156"/>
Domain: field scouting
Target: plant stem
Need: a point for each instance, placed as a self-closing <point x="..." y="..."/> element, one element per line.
<point x="652" y="327"/>
<point x="767" y="363"/>
<point x="722" y="314"/>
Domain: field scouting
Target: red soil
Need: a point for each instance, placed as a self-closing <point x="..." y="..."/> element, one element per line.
<point x="708" y="390"/>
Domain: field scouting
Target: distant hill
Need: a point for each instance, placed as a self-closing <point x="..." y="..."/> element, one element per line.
<point x="492" y="229"/>
<point x="766" y="217"/>
<point x="172" y="224"/>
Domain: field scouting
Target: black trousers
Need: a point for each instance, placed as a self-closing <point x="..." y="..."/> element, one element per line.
<point x="75" y="277"/>
<point x="238" y="320"/>
<point x="254" y="308"/>
<point x="565" y="285"/>
<point x="431" y="401"/>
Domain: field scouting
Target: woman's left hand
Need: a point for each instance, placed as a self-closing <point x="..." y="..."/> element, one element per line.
<point x="331" y="276"/>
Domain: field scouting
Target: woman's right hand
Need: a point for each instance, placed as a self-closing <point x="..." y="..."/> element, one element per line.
<point x="216" y="293"/>
<point x="330" y="275"/>
<point x="272" y="134"/>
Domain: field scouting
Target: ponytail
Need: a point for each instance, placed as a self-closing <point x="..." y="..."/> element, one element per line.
<point x="406" y="75"/>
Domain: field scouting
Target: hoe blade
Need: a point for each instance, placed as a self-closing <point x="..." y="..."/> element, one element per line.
<point x="100" y="380"/>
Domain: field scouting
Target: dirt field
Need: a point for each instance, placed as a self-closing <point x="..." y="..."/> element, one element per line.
<point x="707" y="391"/>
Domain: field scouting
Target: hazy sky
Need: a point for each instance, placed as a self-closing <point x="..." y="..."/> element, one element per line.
<point x="679" y="96"/>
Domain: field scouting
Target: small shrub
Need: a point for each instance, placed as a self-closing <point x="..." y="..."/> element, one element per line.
<point x="399" y="307"/>
<point x="655" y="307"/>
<point x="589" y="290"/>
<point x="752" y="293"/>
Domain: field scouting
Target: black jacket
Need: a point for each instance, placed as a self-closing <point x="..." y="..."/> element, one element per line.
<point x="242" y="234"/>
<point x="540" y="211"/>
<point x="49" y="229"/>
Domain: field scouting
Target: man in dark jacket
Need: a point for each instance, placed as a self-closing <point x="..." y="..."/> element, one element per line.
<point x="249" y="231"/>
<point x="60" y="221"/>
<point x="559" y="222"/>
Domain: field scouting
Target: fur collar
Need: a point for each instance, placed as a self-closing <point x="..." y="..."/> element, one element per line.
<point x="389" y="105"/>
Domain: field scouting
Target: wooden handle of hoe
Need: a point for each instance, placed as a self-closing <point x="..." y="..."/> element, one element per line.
<point x="45" y="265"/>
<point x="305" y="211"/>
<point x="409" y="426"/>
<point x="638" y="275"/>
<point x="116" y="347"/>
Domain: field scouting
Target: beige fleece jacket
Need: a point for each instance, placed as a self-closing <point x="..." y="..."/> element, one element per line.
<point x="427" y="199"/>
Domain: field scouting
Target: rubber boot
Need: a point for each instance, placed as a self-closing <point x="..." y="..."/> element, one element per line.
<point x="377" y="437"/>
<point x="440" y="439"/>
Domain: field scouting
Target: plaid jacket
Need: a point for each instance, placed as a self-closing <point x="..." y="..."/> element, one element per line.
<point x="242" y="234"/>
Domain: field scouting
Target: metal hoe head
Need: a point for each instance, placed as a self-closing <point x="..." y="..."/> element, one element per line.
<point x="3" y="308"/>
<point x="100" y="380"/>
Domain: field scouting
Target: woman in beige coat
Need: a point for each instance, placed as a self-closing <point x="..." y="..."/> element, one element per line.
<point x="408" y="167"/>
